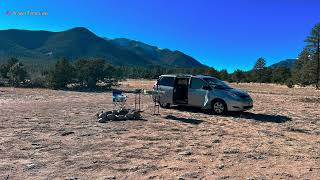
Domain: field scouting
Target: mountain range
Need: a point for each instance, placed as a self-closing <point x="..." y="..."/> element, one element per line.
<point x="287" y="63"/>
<point x="81" y="43"/>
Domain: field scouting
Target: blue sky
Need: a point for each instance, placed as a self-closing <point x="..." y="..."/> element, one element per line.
<point x="225" y="34"/>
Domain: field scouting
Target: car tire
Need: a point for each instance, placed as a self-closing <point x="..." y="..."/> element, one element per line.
<point x="219" y="107"/>
<point x="165" y="105"/>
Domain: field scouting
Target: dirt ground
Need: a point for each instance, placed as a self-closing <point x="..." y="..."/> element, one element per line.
<point x="46" y="134"/>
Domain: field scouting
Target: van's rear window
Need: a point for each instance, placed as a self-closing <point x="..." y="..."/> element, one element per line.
<point x="166" y="81"/>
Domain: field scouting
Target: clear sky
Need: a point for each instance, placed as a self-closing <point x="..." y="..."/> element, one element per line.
<point x="225" y="34"/>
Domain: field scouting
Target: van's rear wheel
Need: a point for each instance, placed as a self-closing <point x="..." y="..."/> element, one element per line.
<point x="219" y="107"/>
<point x="165" y="105"/>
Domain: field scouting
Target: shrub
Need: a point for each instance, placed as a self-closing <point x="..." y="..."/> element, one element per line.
<point x="37" y="82"/>
<point x="2" y="82"/>
<point x="61" y="75"/>
<point x="289" y="83"/>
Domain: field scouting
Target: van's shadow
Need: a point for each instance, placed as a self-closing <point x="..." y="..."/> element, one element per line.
<point x="245" y="115"/>
<point x="260" y="117"/>
<point x="185" y="120"/>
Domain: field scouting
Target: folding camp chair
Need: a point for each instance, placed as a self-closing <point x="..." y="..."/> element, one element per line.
<point x="119" y="99"/>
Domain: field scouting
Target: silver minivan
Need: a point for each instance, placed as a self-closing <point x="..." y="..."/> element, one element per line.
<point x="201" y="91"/>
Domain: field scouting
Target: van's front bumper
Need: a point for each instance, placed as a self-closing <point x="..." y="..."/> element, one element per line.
<point x="241" y="105"/>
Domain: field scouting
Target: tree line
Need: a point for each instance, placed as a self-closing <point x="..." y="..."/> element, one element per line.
<point x="93" y="74"/>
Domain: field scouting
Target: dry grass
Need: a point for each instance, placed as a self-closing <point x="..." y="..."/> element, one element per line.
<point x="53" y="134"/>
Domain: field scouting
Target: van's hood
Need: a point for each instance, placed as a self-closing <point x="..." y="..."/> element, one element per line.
<point x="239" y="92"/>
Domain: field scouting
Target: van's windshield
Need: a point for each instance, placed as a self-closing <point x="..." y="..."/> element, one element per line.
<point x="216" y="83"/>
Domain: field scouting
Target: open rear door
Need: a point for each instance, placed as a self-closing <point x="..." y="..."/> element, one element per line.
<point x="166" y="84"/>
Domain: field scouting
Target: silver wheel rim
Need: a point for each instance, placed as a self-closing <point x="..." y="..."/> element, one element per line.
<point x="218" y="107"/>
<point x="164" y="104"/>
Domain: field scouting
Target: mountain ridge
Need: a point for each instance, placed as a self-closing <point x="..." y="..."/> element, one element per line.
<point x="81" y="43"/>
<point x="287" y="63"/>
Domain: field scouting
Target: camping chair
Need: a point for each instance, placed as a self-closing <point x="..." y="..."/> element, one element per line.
<point x="119" y="99"/>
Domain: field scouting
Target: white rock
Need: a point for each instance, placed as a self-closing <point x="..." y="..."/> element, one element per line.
<point x="120" y="117"/>
<point x="102" y="120"/>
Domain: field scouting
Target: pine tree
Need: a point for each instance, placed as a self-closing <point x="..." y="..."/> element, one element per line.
<point x="212" y="72"/>
<point x="298" y="70"/>
<point x="14" y="71"/>
<point x="259" y="68"/>
<point x="313" y="41"/>
<point x="17" y="74"/>
<point x="4" y="69"/>
<point x="237" y="76"/>
<point x="224" y="75"/>
<point x="280" y="75"/>
<point x="61" y="75"/>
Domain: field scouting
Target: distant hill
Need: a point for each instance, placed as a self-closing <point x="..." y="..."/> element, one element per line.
<point x="288" y="63"/>
<point x="80" y="43"/>
<point x="157" y="55"/>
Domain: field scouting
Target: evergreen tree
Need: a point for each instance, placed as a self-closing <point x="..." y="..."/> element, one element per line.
<point x="14" y="71"/>
<point x="308" y="73"/>
<point x="17" y="74"/>
<point x="237" y="76"/>
<point x="313" y="41"/>
<point x="224" y="75"/>
<point x="212" y="72"/>
<point x="280" y="75"/>
<point x="266" y="75"/>
<point x="297" y="71"/>
<point x="61" y="75"/>
<point x="89" y="72"/>
<point x="259" y="68"/>
<point x="4" y="68"/>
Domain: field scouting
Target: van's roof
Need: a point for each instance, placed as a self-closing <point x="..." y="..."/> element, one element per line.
<point x="185" y="75"/>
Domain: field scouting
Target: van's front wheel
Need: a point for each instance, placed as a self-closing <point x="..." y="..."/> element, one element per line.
<point x="219" y="107"/>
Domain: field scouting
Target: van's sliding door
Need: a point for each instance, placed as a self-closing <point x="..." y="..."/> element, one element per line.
<point x="196" y="93"/>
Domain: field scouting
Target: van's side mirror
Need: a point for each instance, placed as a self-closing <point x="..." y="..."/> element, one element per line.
<point x="207" y="87"/>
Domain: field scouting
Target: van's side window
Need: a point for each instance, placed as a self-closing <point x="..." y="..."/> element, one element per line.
<point x="166" y="81"/>
<point x="197" y="83"/>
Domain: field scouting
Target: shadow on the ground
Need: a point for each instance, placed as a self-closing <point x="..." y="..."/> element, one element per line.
<point x="87" y="90"/>
<point x="260" y="117"/>
<point x="101" y="90"/>
<point x="244" y="115"/>
<point x="185" y="120"/>
<point x="188" y="109"/>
